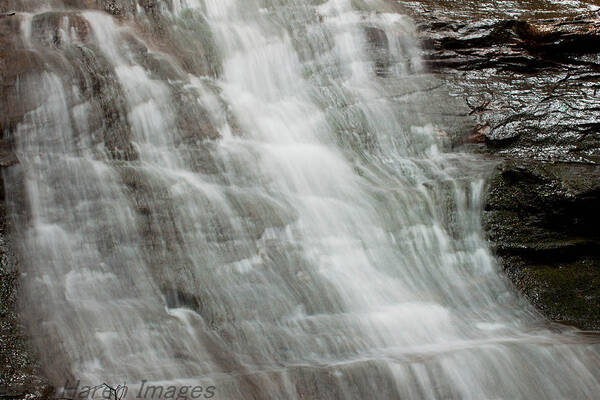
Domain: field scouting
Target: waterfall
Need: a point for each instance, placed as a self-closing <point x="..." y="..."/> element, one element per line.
<point x="254" y="195"/>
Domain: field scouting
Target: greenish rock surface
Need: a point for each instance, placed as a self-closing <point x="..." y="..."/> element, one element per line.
<point x="542" y="220"/>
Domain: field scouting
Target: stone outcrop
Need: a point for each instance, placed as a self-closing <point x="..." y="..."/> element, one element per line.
<point x="530" y="79"/>
<point x="543" y="219"/>
<point x="531" y="85"/>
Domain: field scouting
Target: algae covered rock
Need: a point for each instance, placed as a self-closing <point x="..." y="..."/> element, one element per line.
<point x="542" y="220"/>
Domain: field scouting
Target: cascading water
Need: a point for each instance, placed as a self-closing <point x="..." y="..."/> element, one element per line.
<point x="238" y="193"/>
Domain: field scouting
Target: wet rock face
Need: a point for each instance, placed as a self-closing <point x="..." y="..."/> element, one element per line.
<point x="542" y="219"/>
<point x="19" y="373"/>
<point x="379" y="46"/>
<point x="529" y="74"/>
<point x="62" y="49"/>
<point x="532" y="84"/>
<point x="511" y="44"/>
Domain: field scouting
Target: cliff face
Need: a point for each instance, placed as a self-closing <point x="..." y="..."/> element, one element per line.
<point x="529" y="75"/>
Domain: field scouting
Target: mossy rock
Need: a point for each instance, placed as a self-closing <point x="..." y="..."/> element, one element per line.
<point x="569" y="294"/>
<point x="541" y="219"/>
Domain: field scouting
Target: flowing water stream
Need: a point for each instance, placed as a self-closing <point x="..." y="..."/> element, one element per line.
<point x="241" y="193"/>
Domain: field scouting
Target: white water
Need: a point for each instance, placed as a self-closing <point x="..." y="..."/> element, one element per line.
<point x="324" y="245"/>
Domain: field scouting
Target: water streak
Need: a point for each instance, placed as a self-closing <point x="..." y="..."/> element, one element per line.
<point x="241" y="193"/>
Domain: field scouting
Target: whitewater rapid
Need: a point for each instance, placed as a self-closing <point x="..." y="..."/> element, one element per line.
<point x="256" y="205"/>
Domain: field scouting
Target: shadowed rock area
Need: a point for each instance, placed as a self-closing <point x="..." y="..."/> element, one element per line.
<point x="543" y="219"/>
<point x="529" y="73"/>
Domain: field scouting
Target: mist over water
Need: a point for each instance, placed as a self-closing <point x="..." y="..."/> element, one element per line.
<point x="256" y="204"/>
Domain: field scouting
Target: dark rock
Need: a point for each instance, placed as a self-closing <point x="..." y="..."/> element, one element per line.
<point x="532" y="80"/>
<point x="8" y="159"/>
<point x="114" y="7"/>
<point x="542" y="220"/>
<point x="16" y="63"/>
<point x="530" y="75"/>
<point x="180" y="299"/>
<point x="379" y="48"/>
<point x="509" y="44"/>
<point x="19" y="373"/>
<point x="47" y="27"/>
<point x="97" y="79"/>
